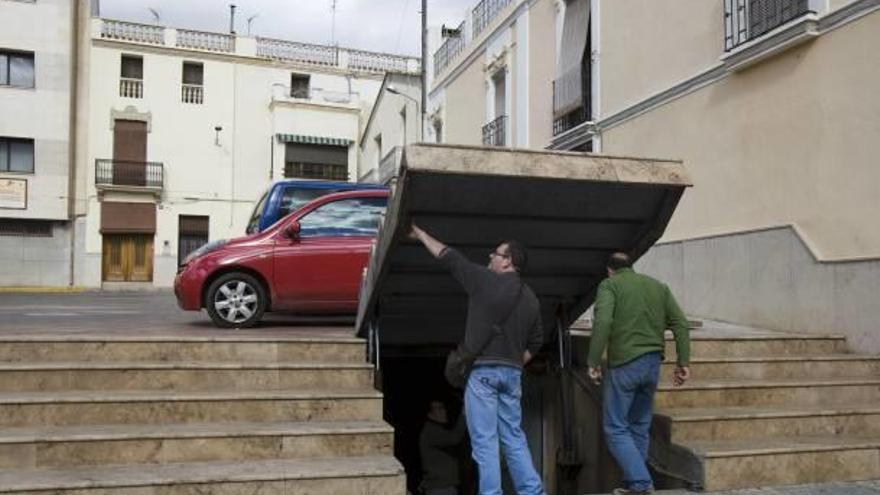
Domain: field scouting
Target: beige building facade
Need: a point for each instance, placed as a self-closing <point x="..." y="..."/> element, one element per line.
<point x="777" y="129"/>
<point x="490" y="77"/>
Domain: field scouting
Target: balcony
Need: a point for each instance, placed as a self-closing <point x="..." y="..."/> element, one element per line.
<point x="447" y="52"/>
<point x="202" y="40"/>
<point x="494" y="132"/>
<point x="129" y="175"/>
<point x="389" y="166"/>
<point x="746" y="20"/>
<point x="131" y="88"/>
<point x="192" y="93"/>
<point x="485" y="12"/>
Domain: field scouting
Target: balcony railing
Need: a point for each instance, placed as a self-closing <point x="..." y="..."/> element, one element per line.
<point x="745" y="20"/>
<point x="128" y="173"/>
<point x="494" y="132"/>
<point x="389" y="165"/>
<point x="192" y="93"/>
<point x="202" y="40"/>
<point x="568" y="89"/>
<point x="131" y="88"/>
<point x="131" y="31"/>
<point x="377" y="62"/>
<point x="450" y="48"/>
<point x="485" y="12"/>
<point x="292" y="51"/>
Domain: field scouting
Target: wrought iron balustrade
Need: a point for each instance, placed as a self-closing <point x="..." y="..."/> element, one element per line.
<point x="485" y="12"/>
<point x="450" y="48"/>
<point x="128" y="173"/>
<point x="745" y="20"/>
<point x="494" y="132"/>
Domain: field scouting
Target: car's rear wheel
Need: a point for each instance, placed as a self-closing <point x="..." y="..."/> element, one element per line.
<point x="236" y="300"/>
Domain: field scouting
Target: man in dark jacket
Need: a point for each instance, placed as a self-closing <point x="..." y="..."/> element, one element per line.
<point x="631" y="315"/>
<point x="437" y="447"/>
<point x="503" y="330"/>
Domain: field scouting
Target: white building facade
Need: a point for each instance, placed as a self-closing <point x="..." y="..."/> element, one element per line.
<point x="187" y="129"/>
<point x="36" y="110"/>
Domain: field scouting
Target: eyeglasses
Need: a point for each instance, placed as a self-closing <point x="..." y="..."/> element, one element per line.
<point x="496" y="253"/>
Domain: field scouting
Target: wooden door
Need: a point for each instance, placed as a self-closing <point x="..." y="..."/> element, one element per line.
<point x="130" y="153"/>
<point x="128" y="258"/>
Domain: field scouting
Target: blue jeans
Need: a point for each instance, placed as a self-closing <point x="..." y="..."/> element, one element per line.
<point x="492" y="404"/>
<point x="627" y="412"/>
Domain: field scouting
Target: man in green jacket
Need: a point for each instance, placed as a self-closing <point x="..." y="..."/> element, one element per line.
<point x="631" y="315"/>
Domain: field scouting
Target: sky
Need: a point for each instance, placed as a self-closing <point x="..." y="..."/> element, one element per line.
<point x="378" y="25"/>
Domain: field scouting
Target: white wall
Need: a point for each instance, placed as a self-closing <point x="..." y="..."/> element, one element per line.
<point x="41" y="113"/>
<point x="386" y="122"/>
<point x="221" y="179"/>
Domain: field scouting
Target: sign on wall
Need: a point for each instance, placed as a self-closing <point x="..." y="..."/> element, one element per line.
<point x="13" y="194"/>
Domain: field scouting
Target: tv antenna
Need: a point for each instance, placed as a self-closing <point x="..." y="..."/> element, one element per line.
<point x="157" y="19"/>
<point x="249" y="21"/>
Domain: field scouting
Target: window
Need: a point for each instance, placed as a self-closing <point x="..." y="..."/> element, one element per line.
<point x="346" y="217"/>
<point x="254" y="223"/>
<point x="192" y="234"/>
<point x="17" y="155"/>
<point x="25" y="228"/>
<point x="316" y="161"/>
<point x="192" y="90"/>
<point x="299" y="85"/>
<point x="294" y="198"/>
<point x="17" y="69"/>
<point x="132" y="67"/>
<point x="193" y="73"/>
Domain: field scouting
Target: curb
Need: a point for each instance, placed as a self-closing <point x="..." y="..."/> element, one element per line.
<point x="42" y="290"/>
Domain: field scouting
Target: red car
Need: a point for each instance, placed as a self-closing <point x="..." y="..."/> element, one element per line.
<point x="309" y="262"/>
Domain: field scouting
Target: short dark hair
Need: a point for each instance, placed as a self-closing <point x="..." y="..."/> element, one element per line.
<point x="518" y="255"/>
<point x="619" y="260"/>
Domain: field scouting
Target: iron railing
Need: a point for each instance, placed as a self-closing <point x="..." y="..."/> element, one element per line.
<point x="131" y="88"/>
<point x="128" y="173"/>
<point x="450" y="48"/>
<point x="494" y="132"/>
<point x="484" y="13"/>
<point x="563" y="92"/>
<point x="745" y="20"/>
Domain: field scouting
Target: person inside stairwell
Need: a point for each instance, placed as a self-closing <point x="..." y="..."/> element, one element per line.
<point x="439" y="449"/>
<point x="631" y="314"/>
<point x="494" y="389"/>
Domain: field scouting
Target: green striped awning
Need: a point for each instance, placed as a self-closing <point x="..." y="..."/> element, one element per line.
<point x="303" y="139"/>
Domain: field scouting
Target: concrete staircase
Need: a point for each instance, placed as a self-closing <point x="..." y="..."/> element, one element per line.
<point x="770" y="409"/>
<point x="214" y="414"/>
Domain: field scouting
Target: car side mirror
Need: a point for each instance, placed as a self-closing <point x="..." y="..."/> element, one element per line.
<point x="292" y="231"/>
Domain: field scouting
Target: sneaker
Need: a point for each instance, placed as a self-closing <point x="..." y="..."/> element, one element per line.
<point x="626" y="491"/>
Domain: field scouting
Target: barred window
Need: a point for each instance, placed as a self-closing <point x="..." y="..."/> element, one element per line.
<point x="25" y="228"/>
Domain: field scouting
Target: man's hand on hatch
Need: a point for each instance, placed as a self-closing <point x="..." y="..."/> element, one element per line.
<point x="595" y="374"/>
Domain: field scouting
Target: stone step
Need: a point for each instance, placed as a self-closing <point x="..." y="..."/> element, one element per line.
<point x="197" y="375"/>
<point x="788" y="460"/>
<point x="777" y="344"/>
<point x="774" y="367"/>
<point x="78" y="446"/>
<point x="746" y="392"/>
<point x="740" y="423"/>
<point x="153" y="407"/>
<point x="370" y="475"/>
<point x="236" y="348"/>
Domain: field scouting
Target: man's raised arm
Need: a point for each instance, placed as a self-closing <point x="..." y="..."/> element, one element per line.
<point x="433" y="245"/>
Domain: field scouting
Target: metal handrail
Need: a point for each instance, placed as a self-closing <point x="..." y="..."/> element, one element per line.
<point x="494" y="133"/>
<point x="111" y="172"/>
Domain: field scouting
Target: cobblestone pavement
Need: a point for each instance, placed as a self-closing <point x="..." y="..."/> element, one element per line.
<point x="853" y="488"/>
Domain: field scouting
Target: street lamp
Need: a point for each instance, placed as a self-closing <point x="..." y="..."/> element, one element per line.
<point x="395" y="91"/>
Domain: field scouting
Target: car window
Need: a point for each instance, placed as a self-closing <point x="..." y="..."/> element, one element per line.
<point x="254" y="222"/>
<point x="294" y="198"/>
<point x="345" y="217"/>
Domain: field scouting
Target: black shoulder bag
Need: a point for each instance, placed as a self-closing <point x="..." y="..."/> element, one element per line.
<point x="459" y="362"/>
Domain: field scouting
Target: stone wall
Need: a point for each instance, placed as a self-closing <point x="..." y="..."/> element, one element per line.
<point x="769" y="278"/>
